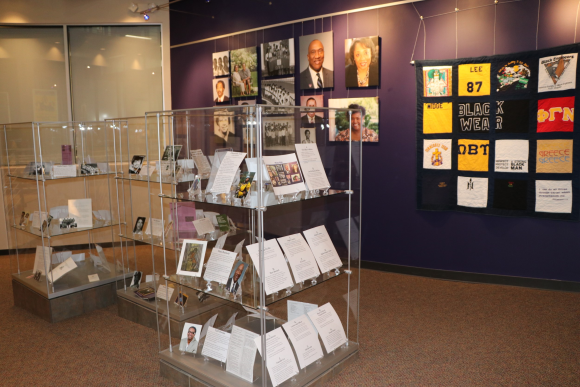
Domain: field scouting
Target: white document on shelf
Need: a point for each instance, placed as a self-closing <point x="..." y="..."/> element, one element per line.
<point x="252" y="164"/>
<point x="226" y="172"/>
<point x="300" y="257"/>
<point x="93" y="277"/>
<point x="238" y="249"/>
<point x="42" y="259"/>
<point x="64" y="170"/>
<point x="203" y="226"/>
<point x="216" y="344"/>
<point x="157" y="227"/>
<point x="242" y="353"/>
<point x="61" y="270"/>
<point x="37" y="218"/>
<point x="219" y="265"/>
<point x="221" y="241"/>
<point x="297" y="309"/>
<point x="61" y="257"/>
<point x="312" y="167"/>
<point x="164" y="292"/>
<point x="203" y="166"/>
<point x="59" y="212"/>
<point x="82" y="211"/>
<point x="280" y="359"/>
<point x="283" y="161"/>
<point x="209" y="323"/>
<point x="329" y="326"/>
<point x="304" y="338"/>
<point x="149" y="277"/>
<point x="323" y="248"/>
<point x="276" y="271"/>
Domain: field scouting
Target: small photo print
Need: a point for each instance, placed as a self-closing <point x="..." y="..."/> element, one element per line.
<point x="307" y="135"/>
<point x="278" y="58"/>
<point x="171" y="152"/>
<point x="136" y="280"/>
<point x="190" y="338"/>
<point x="279" y="133"/>
<point x="236" y="276"/>
<point x="37" y="169"/>
<point x="245" y="184"/>
<point x="192" y="257"/>
<point x="89" y="169"/>
<point x="221" y="63"/>
<point x="68" y="223"/>
<point x="310" y="117"/>
<point x="136" y="164"/>
<point x="24" y="218"/>
<point x="221" y="90"/>
<point x="283" y="174"/>
<point x="138" y="229"/>
<point x="181" y="299"/>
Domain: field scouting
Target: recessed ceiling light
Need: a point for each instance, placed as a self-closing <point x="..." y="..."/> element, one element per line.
<point x="88" y="67"/>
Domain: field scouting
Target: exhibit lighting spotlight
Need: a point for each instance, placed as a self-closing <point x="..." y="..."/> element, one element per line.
<point x="146" y="17"/>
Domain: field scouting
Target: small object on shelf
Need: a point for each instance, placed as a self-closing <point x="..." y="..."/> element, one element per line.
<point x="89" y="169"/>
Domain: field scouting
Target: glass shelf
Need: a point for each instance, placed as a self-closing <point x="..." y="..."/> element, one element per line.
<point x="54" y="230"/>
<point x="49" y="177"/>
<point x="269" y="199"/>
<point x="249" y="297"/>
<point x="172" y="245"/>
<point x="185" y="178"/>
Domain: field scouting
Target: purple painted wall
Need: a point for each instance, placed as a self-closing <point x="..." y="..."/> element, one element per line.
<point x="393" y="230"/>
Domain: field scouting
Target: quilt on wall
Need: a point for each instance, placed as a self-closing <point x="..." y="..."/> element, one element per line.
<point x="496" y="134"/>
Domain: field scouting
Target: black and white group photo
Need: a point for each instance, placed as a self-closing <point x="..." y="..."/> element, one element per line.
<point x="221" y="63"/>
<point x="278" y="58"/>
<point x="279" y="133"/>
<point x="279" y="92"/>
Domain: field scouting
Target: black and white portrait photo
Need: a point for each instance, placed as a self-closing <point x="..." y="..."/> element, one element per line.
<point x="89" y="169"/>
<point x="279" y="133"/>
<point x="307" y="136"/>
<point x="221" y="90"/>
<point x="138" y="229"/>
<point x="278" y="58"/>
<point x="136" y="164"/>
<point x="171" y="152"/>
<point x="221" y="63"/>
<point x="136" y="281"/>
<point x="278" y="92"/>
<point x="224" y="125"/>
<point x="316" y="61"/>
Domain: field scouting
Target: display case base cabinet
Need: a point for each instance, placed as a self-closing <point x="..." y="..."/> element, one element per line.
<point x="64" y="307"/>
<point x="198" y="373"/>
<point x="143" y="312"/>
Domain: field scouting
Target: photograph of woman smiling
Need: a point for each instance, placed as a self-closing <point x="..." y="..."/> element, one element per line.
<point x="362" y="62"/>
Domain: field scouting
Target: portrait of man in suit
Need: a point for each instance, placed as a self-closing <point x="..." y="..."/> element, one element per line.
<point x="318" y="74"/>
<point x="311" y="119"/>
<point x="221" y="90"/>
<point x="236" y="276"/>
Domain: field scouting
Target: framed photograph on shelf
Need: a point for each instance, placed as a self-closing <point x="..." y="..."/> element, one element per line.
<point x="192" y="257"/>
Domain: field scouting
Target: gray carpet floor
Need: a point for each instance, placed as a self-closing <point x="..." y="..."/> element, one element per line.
<point x="413" y="332"/>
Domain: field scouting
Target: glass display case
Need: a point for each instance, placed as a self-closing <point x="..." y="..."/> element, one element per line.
<point x="60" y="213"/>
<point x="261" y="214"/>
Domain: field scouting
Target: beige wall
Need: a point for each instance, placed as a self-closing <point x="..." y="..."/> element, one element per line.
<point x="79" y="12"/>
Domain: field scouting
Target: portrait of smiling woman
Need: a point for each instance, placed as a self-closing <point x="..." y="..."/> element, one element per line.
<point x="362" y="61"/>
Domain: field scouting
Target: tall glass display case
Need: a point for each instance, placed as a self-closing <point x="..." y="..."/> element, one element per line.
<point x="262" y="212"/>
<point x="60" y="212"/>
<point x="141" y="225"/>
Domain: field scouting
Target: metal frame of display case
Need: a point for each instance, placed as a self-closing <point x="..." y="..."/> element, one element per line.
<point x="189" y="128"/>
<point x="24" y="147"/>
